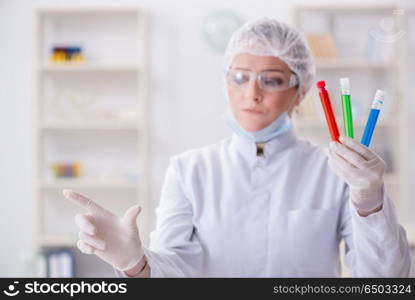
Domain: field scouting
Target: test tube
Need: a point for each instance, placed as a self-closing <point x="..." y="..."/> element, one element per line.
<point x="347" y="107"/>
<point x="328" y="111"/>
<point x="373" y="117"/>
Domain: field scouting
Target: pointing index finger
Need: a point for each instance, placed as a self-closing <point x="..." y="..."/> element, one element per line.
<point x="82" y="201"/>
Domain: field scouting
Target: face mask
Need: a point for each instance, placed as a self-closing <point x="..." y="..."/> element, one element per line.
<point x="279" y="126"/>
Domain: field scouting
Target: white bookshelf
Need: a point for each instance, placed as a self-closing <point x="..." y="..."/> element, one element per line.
<point x="366" y="74"/>
<point x="94" y="125"/>
<point x="358" y="63"/>
<point x="94" y="112"/>
<point x="84" y="184"/>
<point x="75" y="67"/>
<point x="407" y="21"/>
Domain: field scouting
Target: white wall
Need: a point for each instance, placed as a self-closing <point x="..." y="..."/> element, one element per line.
<point x="187" y="100"/>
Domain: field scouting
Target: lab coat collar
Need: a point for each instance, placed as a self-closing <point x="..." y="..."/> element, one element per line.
<point x="271" y="148"/>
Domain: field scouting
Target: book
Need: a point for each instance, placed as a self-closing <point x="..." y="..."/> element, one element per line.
<point x="58" y="263"/>
<point x="322" y="46"/>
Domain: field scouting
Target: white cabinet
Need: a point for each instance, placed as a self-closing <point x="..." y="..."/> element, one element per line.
<point x="90" y="115"/>
<point x="371" y="48"/>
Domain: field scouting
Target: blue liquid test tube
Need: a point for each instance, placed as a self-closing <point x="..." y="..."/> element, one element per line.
<point x="373" y="117"/>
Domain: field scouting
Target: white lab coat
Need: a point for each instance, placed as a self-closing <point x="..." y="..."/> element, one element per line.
<point x="226" y="212"/>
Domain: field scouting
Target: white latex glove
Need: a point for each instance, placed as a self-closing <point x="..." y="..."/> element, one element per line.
<point x="115" y="240"/>
<point x="362" y="169"/>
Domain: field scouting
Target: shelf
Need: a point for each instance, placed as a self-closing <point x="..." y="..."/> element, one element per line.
<point x="57" y="241"/>
<point x="346" y="9"/>
<point x="360" y="63"/>
<point x="95" y="125"/>
<point x="87" y="67"/>
<point x="87" y="9"/>
<point x="87" y="184"/>
<point x="317" y="123"/>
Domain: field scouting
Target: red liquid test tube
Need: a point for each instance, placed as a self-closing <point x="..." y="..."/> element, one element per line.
<point x="328" y="110"/>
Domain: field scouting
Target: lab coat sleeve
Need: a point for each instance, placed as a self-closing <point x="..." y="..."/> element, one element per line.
<point x="376" y="245"/>
<point x="120" y="274"/>
<point x="174" y="249"/>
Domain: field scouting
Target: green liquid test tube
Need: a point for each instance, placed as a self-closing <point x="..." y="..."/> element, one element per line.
<point x="347" y="107"/>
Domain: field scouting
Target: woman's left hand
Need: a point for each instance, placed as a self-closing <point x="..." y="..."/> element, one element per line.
<point x="362" y="169"/>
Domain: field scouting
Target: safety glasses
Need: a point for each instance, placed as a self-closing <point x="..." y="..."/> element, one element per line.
<point x="268" y="81"/>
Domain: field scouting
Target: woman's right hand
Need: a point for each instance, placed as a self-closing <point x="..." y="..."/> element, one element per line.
<point x="115" y="240"/>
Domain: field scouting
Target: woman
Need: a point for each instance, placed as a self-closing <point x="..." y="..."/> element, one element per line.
<point x="260" y="203"/>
